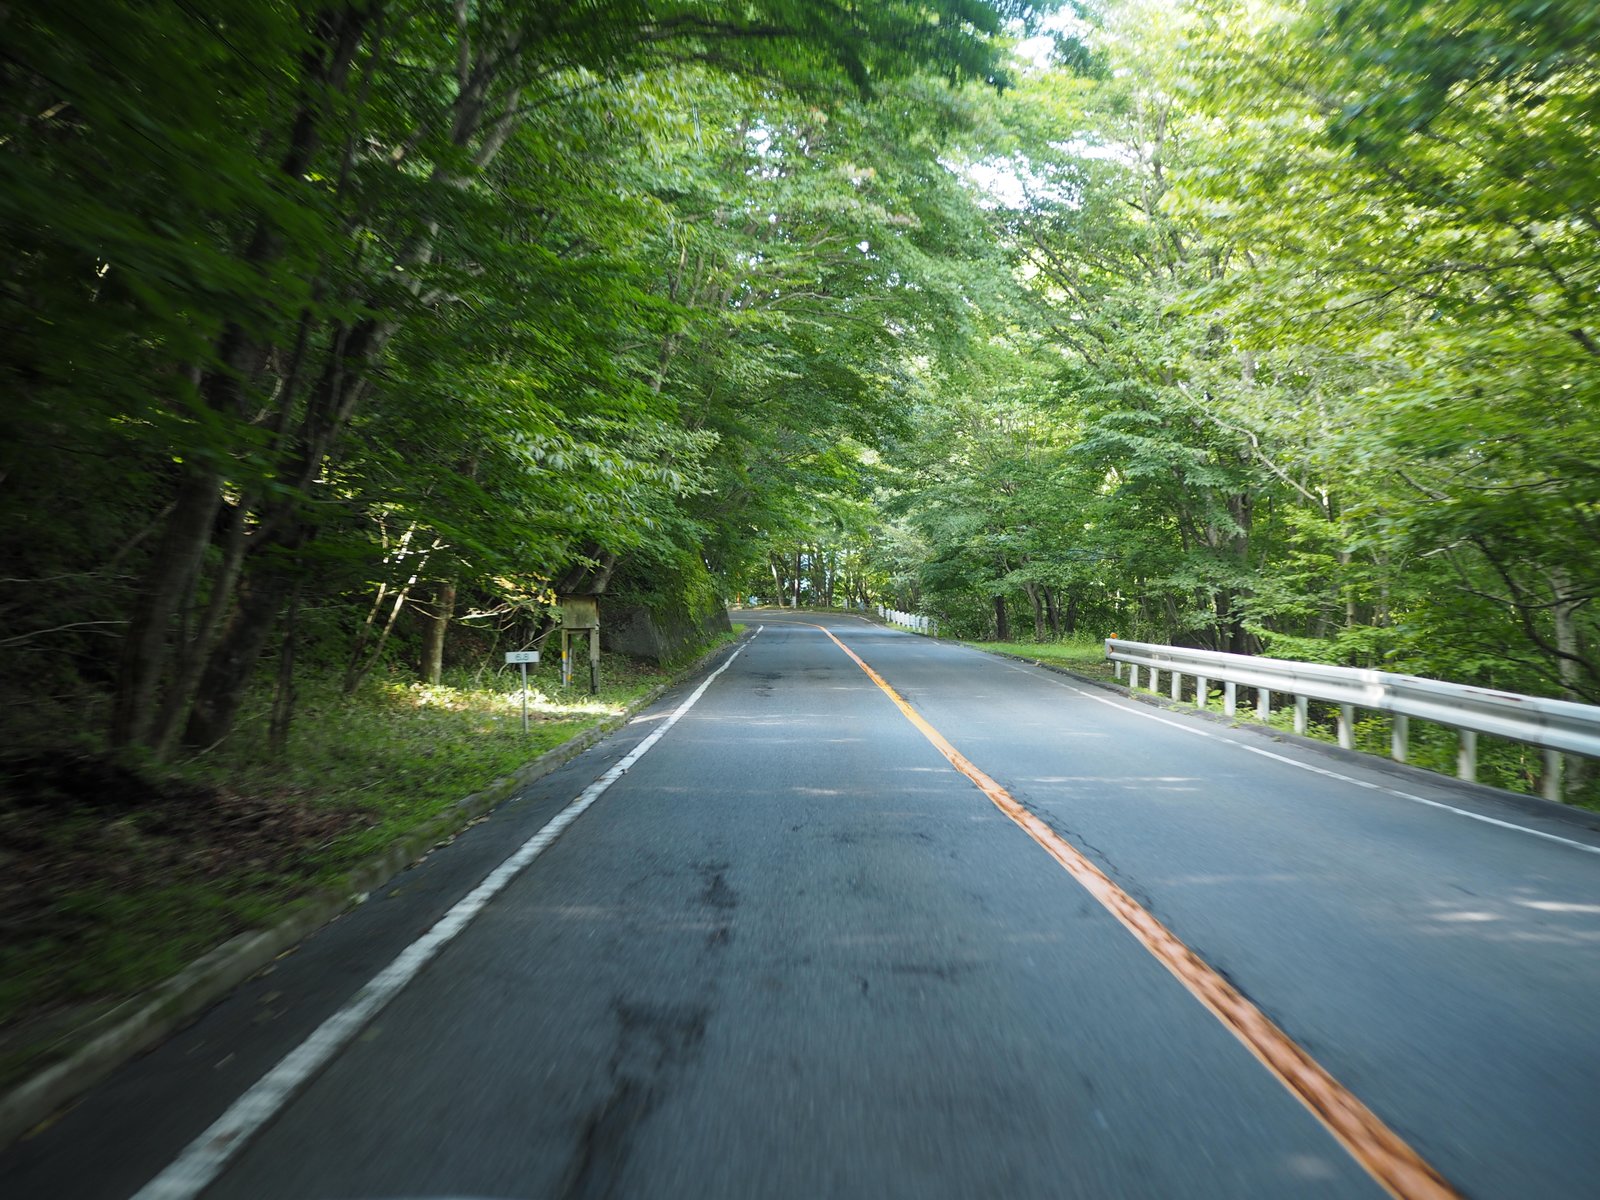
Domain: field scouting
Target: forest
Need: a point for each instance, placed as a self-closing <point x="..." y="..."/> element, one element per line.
<point x="343" y="336"/>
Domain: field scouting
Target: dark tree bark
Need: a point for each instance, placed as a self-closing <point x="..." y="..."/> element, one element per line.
<point x="588" y="578"/>
<point x="192" y="655"/>
<point x="1037" y="601"/>
<point x="167" y="581"/>
<point x="231" y="663"/>
<point x="139" y="713"/>
<point x="285" y="694"/>
<point x="436" y="620"/>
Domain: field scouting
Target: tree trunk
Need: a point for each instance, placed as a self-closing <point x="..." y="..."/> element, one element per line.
<point x="1348" y="590"/>
<point x="192" y="656"/>
<point x="1222" y="601"/>
<point x="233" y="660"/>
<point x="284" y="694"/>
<point x="1170" y="607"/>
<point x="436" y="623"/>
<point x="361" y="666"/>
<point x="1052" y="611"/>
<point x="1569" y="664"/>
<point x="1002" y="620"/>
<point x="168" y="580"/>
<point x="1032" y="589"/>
<point x="358" y="650"/>
<point x="335" y="42"/>
<point x="591" y="577"/>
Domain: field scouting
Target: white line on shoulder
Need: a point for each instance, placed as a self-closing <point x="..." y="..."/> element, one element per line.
<point x="205" y="1157"/>
<point x="1138" y="711"/>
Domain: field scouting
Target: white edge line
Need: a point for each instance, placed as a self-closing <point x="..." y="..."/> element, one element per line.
<point x="204" y="1158"/>
<point x="1361" y="783"/>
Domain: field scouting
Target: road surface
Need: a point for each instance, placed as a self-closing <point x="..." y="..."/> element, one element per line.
<point x="792" y="951"/>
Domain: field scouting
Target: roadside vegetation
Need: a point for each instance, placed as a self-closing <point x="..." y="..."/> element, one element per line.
<point x="1303" y="357"/>
<point x="343" y="339"/>
<point x="1085" y="657"/>
<point x="116" y="877"/>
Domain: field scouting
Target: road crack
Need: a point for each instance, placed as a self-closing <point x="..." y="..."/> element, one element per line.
<point x="653" y="1042"/>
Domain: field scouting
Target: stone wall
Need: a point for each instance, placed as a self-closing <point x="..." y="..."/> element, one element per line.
<point x="632" y="628"/>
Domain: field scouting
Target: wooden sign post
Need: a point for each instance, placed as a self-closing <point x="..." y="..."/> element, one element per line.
<point x="580" y="614"/>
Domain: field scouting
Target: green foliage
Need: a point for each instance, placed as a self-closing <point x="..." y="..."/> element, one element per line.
<point x="1085" y="657"/>
<point x="334" y="308"/>
<point x="1310" y="362"/>
<point x="384" y="317"/>
<point x="151" y="885"/>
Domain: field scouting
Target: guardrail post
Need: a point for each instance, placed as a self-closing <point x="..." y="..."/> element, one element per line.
<point x="1467" y="756"/>
<point x="1116" y="671"/>
<point x="1550" y="785"/>
<point x="1557" y="728"/>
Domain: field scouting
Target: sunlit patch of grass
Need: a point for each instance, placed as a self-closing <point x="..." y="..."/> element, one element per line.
<point x="135" y="901"/>
<point x="405" y="751"/>
<point x="1083" y="656"/>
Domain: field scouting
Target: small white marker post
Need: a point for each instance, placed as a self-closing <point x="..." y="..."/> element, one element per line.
<point x="522" y="658"/>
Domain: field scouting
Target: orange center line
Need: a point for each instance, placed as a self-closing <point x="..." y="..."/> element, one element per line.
<point x="1381" y="1152"/>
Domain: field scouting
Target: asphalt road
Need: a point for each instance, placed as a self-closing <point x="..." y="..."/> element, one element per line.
<point x="791" y="952"/>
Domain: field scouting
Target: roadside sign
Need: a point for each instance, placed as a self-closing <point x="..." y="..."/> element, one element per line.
<point x="521" y="658"/>
<point x="580" y="612"/>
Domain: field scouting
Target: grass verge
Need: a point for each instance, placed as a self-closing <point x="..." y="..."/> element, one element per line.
<point x="1087" y="658"/>
<point x="114" y="879"/>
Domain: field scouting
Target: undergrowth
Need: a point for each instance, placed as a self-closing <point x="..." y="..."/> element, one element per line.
<point x="115" y="875"/>
<point x="1089" y="657"/>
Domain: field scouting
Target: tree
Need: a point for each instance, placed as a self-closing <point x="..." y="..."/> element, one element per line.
<point x="290" y="246"/>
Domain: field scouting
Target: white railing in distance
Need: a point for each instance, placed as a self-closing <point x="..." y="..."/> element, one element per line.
<point x="1555" y="726"/>
<point x="911" y="621"/>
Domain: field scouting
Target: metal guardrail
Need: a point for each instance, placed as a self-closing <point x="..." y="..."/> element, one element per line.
<point x="1555" y="726"/>
<point x="911" y="621"/>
